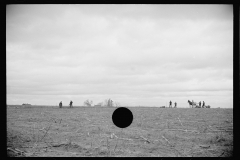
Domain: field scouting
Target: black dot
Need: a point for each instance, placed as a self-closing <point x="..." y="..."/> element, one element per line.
<point x="122" y="117"/>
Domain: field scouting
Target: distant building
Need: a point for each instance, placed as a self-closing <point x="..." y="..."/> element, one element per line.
<point x="26" y="104"/>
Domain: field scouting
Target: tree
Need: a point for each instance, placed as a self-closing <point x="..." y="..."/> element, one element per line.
<point x="88" y="103"/>
<point x="105" y="103"/>
<point x="108" y="103"/>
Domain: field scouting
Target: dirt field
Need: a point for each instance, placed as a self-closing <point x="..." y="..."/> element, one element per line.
<point x="80" y="132"/>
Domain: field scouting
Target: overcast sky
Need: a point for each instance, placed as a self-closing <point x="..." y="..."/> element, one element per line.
<point x="136" y="55"/>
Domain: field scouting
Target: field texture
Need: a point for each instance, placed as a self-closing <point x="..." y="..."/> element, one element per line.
<point x="88" y="131"/>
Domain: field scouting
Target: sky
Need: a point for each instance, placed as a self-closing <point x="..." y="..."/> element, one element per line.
<point x="137" y="55"/>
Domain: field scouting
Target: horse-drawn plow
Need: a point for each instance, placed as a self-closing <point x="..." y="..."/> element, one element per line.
<point x="193" y="104"/>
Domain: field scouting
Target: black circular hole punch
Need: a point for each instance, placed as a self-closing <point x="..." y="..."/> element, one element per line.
<point x="122" y="117"/>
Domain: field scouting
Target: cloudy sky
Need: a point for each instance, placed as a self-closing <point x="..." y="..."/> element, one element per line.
<point x="136" y="55"/>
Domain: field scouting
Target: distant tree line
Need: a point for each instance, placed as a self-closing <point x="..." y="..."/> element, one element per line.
<point x="105" y="103"/>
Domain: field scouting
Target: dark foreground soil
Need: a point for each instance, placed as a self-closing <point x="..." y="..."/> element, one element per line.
<point x="87" y="132"/>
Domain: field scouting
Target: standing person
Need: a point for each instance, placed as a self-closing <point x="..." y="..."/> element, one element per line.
<point x="170" y="104"/>
<point x="60" y="104"/>
<point x="200" y="104"/>
<point x="71" y="104"/>
<point x="175" y="105"/>
<point x="203" y="104"/>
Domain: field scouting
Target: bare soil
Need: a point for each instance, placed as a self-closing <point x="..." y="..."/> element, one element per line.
<point x="90" y="132"/>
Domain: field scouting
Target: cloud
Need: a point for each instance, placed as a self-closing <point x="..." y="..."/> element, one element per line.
<point x="123" y="51"/>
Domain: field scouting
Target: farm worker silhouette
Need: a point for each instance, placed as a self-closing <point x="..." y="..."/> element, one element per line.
<point x="170" y="104"/>
<point x="71" y="104"/>
<point x="175" y="105"/>
<point x="203" y="104"/>
<point x="60" y="104"/>
<point x="200" y="104"/>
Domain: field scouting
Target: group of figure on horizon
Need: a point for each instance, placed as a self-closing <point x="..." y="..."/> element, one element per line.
<point x="192" y="103"/>
<point x="70" y="105"/>
<point x="170" y="104"/>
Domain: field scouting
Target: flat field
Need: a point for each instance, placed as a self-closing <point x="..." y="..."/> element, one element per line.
<point x="90" y="132"/>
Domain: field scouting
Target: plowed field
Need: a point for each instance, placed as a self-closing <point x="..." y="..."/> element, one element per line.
<point x="90" y="132"/>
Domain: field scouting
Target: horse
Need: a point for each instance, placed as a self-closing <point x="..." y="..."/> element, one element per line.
<point x="190" y="103"/>
<point x="193" y="104"/>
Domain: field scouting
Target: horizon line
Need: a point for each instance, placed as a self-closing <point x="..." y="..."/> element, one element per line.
<point x="103" y="106"/>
